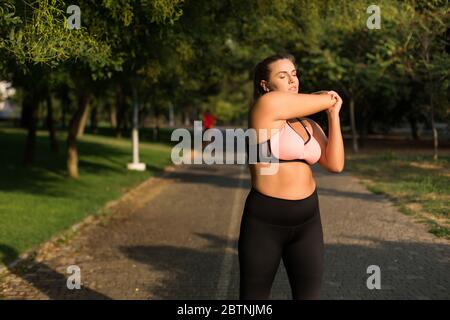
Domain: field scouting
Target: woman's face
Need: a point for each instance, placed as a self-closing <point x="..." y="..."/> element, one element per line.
<point x="283" y="77"/>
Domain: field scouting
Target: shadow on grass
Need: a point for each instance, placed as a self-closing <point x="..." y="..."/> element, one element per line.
<point x="50" y="168"/>
<point x="45" y="279"/>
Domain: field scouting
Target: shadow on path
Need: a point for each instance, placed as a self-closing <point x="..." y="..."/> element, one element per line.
<point x="47" y="280"/>
<point x="409" y="270"/>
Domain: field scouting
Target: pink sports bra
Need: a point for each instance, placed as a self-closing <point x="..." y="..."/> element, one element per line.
<point x="288" y="146"/>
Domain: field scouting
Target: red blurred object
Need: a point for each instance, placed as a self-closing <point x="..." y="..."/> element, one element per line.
<point x="208" y="120"/>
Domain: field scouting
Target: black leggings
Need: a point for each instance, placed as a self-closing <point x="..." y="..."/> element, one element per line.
<point x="273" y="229"/>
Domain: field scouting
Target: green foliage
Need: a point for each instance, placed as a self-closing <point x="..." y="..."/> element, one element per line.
<point x="45" y="39"/>
<point x="189" y="51"/>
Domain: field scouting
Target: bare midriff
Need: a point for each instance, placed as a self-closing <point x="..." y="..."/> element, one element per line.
<point x="293" y="180"/>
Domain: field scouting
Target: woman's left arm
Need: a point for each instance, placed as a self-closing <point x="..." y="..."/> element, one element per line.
<point x="332" y="156"/>
<point x="335" y="147"/>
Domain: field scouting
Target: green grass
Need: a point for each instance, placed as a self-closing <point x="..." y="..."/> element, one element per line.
<point x="41" y="201"/>
<point x="417" y="183"/>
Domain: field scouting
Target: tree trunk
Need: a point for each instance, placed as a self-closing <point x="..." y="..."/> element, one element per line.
<point x="74" y="127"/>
<point x="353" y="124"/>
<point x="171" y="116"/>
<point x="126" y="121"/>
<point x="414" y="129"/>
<point x="30" y="104"/>
<point x="27" y="110"/>
<point x="187" y="120"/>
<point x="94" y="119"/>
<point x="156" y="126"/>
<point x="433" y="128"/>
<point x="65" y="106"/>
<point x="113" y="116"/>
<point x="63" y="115"/>
<point x="195" y="112"/>
<point x="83" y="121"/>
<point x="120" y="103"/>
<point x="51" y="124"/>
<point x="364" y="130"/>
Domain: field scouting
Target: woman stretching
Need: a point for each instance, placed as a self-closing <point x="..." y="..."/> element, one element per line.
<point x="281" y="218"/>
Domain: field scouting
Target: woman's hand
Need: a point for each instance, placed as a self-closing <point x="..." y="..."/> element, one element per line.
<point x="334" y="110"/>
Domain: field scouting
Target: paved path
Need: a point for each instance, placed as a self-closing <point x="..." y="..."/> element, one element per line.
<point x="176" y="238"/>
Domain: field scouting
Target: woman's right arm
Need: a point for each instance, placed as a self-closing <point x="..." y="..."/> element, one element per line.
<point x="278" y="105"/>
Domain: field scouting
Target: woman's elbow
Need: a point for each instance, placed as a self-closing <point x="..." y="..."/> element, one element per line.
<point x="336" y="169"/>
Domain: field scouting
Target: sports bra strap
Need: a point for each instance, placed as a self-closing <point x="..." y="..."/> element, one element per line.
<point x="307" y="130"/>
<point x="302" y="123"/>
